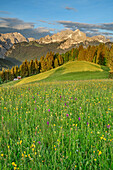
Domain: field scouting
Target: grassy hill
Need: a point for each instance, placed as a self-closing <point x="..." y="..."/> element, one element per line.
<point x="73" y="70"/>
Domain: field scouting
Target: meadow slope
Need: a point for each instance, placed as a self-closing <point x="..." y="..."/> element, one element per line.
<point x="73" y="70"/>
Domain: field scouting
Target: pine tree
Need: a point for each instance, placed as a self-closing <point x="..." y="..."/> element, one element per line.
<point x="36" y="66"/>
<point x="60" y="60"/>
<point x="12" y="73"/>
<point x="56" y="63"/>
<point x="3" y="75"/>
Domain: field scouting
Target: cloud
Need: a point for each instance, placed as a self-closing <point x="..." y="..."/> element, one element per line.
<point x="27" y="29"/>
<point x="46" y="22"/>
<point x="15" y="23"/>
<point x="71" y="9"/>
<point x="89" y="29"/>
<point x="75" y="25"/>
<point x="5" y="12"/>
<point x="44" y="29"/>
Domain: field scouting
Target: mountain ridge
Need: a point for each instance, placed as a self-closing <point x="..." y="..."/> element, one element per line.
<point x="70" y="37"/>
<point x="66" y="38"/>
<point x="7" y="40"/>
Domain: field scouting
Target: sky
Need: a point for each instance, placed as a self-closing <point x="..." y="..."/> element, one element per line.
<point x="38" y="18"/>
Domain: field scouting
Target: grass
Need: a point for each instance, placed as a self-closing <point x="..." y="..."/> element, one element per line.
<point x="74" y="70"/>
<point x="57" y="125"/>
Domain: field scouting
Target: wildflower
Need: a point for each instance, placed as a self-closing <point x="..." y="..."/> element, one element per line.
<point x="2" y="154"/>
<point x="65" y="104"/>
<point x="13" y="163"/>
<point x="20" y="142"/>
<point x="99" y="153"/>
<point x="108" y="126"/>
<point x="48" y="110"/>
<point x="79" y="118"/>
<point x="75" y="166"/>
<point x="60" y="96"/>
<point x="80" y="108"/>
<point x="87" y="123"/>
<point x="75" y="98"/>
<point x="39" y="142"/>
<point x="94" y="159"/>
<point x="67" y="115"/>
<point x="47" y="123"/>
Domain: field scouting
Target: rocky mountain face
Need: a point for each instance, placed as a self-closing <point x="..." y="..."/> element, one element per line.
<point x="65" y="39"/>
<point x="7" y="40"/>
<point x="68" y="38"/>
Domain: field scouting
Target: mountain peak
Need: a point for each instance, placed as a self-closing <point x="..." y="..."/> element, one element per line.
<point x="70" y="37"/>
<point x="8" y="39"/>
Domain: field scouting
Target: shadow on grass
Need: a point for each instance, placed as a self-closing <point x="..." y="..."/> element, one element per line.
<point x="86" y="75"/>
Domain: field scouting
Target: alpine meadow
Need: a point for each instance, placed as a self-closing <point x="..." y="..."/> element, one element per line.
<point x="56" y="85"/>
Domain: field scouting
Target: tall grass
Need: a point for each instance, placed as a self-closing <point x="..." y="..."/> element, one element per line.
<point x="65" y="125"/>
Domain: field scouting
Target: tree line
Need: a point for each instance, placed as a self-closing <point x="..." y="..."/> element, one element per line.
<point x="100" y="54"/>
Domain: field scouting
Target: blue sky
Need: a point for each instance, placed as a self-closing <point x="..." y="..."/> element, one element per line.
<point x="37" y="18"/>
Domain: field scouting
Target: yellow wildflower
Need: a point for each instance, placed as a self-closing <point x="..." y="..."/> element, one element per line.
<point x="99" y="153"/>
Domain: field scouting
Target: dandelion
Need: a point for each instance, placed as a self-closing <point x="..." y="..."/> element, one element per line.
<point x="13" y="163"/>
<point x="99" y="153"/>
<point x="2" y="154"/>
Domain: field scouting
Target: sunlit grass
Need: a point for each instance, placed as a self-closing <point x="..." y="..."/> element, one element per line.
<point x="59" y="125"/>
<point x="73" y="70"/>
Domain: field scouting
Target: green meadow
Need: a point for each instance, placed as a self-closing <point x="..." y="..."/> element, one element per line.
<point x="60" y="119"/>
<point x="57" y="125"/>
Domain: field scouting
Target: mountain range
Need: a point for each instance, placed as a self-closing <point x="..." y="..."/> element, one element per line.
<point x="15" y="48"/>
